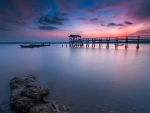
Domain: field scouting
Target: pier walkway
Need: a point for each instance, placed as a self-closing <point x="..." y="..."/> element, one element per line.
<point x="77" y="41"/>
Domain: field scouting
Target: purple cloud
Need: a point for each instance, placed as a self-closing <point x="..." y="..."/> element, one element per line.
<point x="109" y="7"/>
<point x="114" y="24"/>
<point x="47" y="28"/>
<point x="56" y="19"/>
<point x="127" y="22"/>
<point x="140" y="10"/>
<point x="21" y="12"/>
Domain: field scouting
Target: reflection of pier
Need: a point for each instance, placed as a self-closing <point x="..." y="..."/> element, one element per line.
<point x="77" y="41"/>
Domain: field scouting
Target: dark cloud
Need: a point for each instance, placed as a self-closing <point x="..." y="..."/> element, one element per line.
<point x="82" y="18"/>
<point x="2" y="28"/>
<point x="114" y="24"/>
<point x="127" y="22"/>
<point x="56" y="19"/>
<point x="140" y="10"/>
<point x="94" y="19"/>
<point x="5" y="28"/>
<point x="20" y="13"/>
<point x="47" y="28"/>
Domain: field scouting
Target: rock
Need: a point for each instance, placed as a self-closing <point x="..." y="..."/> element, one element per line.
<point x="21" y="104"/>
<point x="45" y="100"/>
<point x="40" y="109"/>
<point x="28" y="98"/>
<point x="31" y="84"/>
<point x="64" y="108"/>
<point x="44" y="91"/>
<point x="35" y="92"/>
<point x="55" y="107"/>
<point x="31" y="92"/>
<point x="16" y="83"/>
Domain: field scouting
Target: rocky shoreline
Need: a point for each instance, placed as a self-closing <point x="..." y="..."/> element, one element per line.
<point x="26" y="97"/>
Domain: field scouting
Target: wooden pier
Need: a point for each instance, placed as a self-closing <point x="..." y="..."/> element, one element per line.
<point x="77" y="41"/>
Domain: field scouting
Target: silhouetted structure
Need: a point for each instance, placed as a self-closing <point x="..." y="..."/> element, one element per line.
<point x="77" y="41"/>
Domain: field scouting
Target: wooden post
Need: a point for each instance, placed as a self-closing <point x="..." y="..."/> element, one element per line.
<point x="88" y="42"/>
<point x="69" y="43"/>
<point x="116" y="45"/>
<point x="94" y="42"/>
<point x="137" y="47"/>
<point x="76" y="41"/>
<point x="126" y="45"/>
<point x="108" y="39"/>
<point x="99" y="42"/>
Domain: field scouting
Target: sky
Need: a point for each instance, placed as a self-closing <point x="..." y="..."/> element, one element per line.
<point x="55" y="20"/>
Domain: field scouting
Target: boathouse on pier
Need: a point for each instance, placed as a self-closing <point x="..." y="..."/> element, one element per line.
<point x="75" y="41"/>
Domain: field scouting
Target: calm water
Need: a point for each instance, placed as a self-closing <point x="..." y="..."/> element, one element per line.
<point x="89" y="80"/>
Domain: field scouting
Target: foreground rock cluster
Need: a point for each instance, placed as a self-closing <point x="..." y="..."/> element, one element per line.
<point x="26" y="97"/>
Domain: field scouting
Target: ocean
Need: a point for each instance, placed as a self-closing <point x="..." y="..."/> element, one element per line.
<point x="88" y="80"/>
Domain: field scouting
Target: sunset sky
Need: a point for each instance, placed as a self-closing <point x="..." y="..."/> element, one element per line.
<point x="55" y="20"/>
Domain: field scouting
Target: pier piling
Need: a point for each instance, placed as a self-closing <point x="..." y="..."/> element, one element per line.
<point x="126" y="44"/>
<point x="107" y="45"/>
<point x="116" y="44"/>
<point x="137" y="47"/>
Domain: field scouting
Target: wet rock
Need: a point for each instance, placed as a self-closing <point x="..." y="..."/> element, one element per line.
<point x="45" y="100"/>
<point x="55" y="107"/>
<point x="40" y="109"/>
<point x="44" y="91"/>
<point x="31" y="92"/>
<point x="35" y="92"/>
<point x="21" y="104"/>
<point x="31" y="84"/>
<point x="65" y="109"/>
<point x="28" y="98"/>
<point x="16" y="83"/>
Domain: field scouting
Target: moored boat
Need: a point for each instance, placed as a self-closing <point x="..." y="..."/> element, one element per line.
<point x="45" y="45"/>
<point x="26" y="46"/>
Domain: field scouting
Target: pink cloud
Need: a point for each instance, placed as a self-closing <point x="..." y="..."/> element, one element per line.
<point x="108" y="7"/>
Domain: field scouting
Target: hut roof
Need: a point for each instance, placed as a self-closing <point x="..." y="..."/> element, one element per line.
<point x="74" y="36"/>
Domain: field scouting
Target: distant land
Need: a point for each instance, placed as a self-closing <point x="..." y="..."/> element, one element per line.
<point x="141" y="41"/>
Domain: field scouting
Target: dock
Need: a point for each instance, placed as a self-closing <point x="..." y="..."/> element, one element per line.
<point x="78" y="41"/>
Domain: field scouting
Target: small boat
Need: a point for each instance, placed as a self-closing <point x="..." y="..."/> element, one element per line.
<point x="44" y="45"/>
<point x="26" y="46"/>
<point x="119" y="44"/>
<point x="35" y="45"/>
